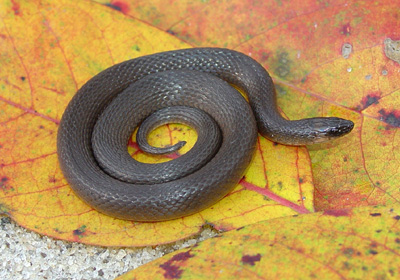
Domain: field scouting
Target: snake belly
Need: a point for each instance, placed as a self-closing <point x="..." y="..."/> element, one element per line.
<point x="195" y="78"/>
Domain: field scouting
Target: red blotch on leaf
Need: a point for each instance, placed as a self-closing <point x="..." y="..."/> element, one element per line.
<point x="338" y="212"/>
<point x="119" y="6"/>
<point x="15" y="7"/>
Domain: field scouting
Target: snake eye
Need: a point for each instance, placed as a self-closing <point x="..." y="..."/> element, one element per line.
<point x="339" y="127"/>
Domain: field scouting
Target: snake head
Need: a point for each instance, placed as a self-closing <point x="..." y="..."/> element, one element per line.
<point x="325" y="129"/>
<point x="308" y="131"/>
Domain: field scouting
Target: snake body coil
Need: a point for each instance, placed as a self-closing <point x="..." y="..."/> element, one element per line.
<point x="101" y="117"/>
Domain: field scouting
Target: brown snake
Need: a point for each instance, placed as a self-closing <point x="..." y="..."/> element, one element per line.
<point x="101" y="117"/>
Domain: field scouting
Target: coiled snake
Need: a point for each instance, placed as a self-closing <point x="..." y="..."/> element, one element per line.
<point x="101" y="117"/>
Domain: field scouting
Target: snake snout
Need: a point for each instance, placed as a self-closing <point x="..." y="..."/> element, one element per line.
<point x="329" y="128"/>
<point x="340" y="128"/>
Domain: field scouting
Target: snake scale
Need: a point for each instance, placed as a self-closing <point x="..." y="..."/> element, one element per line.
<point x="190" y="86"/>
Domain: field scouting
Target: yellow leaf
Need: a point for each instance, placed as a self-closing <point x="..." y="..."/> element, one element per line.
<point x="49" y="50"/>
<point x="359" y="243"/>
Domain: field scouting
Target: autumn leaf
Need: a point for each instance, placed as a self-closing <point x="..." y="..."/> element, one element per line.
<point x="39" y="77"/>
<point x="327" y="58"/>
<point x="358" y="243"/>
<point x="63" y="44"/>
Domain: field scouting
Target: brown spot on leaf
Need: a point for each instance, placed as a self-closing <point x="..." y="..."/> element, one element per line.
<point x="338" y="212"/>
<point x="58" y="230"/>
<point x="350" y="252"/>
<point x="370" y="99"/>
<point x="397" y="218"/>
<point x="182" y="256"/>
<point x="392" y="118"/>
<point x="346" y="29"/>
<point x="375" y="214"/>
<point x="4" y="184"/>
<point x="3" y="180"/>
<point x="346" y="266"/>
<point x="171" y="32"/>
<point x="373" y="252"/>
<point x="80" y="232"/>
<point x="248" y="259"/>
<point x="173" y="271"/>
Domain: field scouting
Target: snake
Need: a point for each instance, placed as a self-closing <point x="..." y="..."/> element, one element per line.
<point x="198" y="87"/>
